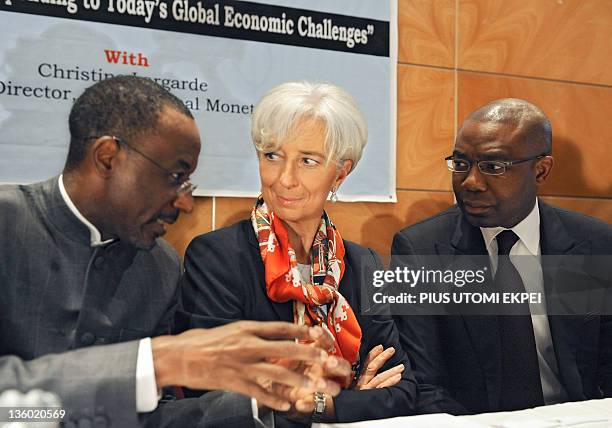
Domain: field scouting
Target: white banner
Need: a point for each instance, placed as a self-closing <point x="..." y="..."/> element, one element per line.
<point x="219" y="57"/>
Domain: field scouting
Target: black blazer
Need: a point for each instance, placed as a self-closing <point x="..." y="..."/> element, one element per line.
<point x="224" y="282"/>
<point x="457" y="359"/>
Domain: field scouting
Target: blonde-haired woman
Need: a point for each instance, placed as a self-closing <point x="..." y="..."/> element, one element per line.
<point x="289" y="262"/>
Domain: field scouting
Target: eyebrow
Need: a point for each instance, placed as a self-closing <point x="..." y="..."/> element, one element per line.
<point x="495" y="155"/>
<point x="313" y="154"/>
<point x="489" y="155"/>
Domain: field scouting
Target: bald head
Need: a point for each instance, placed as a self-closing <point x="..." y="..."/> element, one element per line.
<point x="506" y="146"/>
<point x="528" y="120"/>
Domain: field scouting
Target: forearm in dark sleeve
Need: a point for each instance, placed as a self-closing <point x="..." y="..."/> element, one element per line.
<point x="216" y="409"/>
<point x="378" y="403"/>
<point x="98" y="381"/>
<point x="398" y="400"/>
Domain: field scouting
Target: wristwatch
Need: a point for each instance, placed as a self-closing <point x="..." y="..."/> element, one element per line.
<point x="319" y="407"/>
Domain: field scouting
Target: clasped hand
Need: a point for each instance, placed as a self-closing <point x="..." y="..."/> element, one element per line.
<point x="302" y="399"/>
<point x="243" y="357"/>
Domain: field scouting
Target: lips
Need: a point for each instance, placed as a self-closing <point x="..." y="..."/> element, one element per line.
<point x="287" y="201"/>
<point x="169" y="218"/>
<point x="476" y="207"/>
<point x="162" y="221"/>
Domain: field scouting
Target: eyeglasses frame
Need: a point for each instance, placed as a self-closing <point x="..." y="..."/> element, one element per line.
<point x="506" y="164"/>
<point x="185" y="188"/>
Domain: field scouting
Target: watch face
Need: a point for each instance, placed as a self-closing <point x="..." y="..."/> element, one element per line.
<point x="319" y="400"/>
<point x="319" y="407"/>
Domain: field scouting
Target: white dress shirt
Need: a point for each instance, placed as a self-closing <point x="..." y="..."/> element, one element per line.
<point x="146" y="385"/>
<point x="526" y="257"/>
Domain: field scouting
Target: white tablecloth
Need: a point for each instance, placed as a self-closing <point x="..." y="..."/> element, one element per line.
<point x="585" y="414"/>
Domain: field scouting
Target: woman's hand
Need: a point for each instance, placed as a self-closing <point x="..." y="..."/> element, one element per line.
<point x="370" y="378"/>
<point x="303" y="400"/>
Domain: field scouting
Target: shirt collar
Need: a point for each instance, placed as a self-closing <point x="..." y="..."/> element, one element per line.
<point x="528" y="231"/>
<point x="95" y="238"/>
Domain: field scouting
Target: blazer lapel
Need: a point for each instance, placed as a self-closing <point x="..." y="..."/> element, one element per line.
<point x="284" y="310"/>
<point x="554" y="238"/>
<point x="564" y="329"/>
<point x="483" y="330"/>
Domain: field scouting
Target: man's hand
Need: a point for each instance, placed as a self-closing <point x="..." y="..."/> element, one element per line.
<point x="239" y="357"/>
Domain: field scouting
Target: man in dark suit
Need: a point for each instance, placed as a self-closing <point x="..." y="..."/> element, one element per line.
<point x="468" y="363"/>
<point x="85" y="281"/>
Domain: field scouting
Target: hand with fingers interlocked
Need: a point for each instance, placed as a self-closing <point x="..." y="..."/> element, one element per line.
<point x="244" y="357"/>
<point x="327" y="377"/>
<point x="338" y="369"/>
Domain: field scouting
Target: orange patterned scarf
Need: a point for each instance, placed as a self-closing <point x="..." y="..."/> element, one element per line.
<point x="283" y="280"/>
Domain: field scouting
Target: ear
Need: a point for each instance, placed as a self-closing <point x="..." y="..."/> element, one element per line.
<point x="104" y="152"/>
<point x="543" y="167"/>
<point x="343" y="172"/>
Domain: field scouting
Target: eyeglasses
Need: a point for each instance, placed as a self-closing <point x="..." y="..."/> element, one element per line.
<point x="488" y="167"/>
<point x="184" y="187"/>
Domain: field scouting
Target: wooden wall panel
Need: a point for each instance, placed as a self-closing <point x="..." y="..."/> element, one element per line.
<point x="426" y="32"/>
<point x="425" y="127"/>
<point x="600" y="208"/>
<point x="190" y="225"/>
<point x="374" y="224"/>
<point x="563" y="39"/>
<point x="232" y="210"/>
<point x="580" y="117"/>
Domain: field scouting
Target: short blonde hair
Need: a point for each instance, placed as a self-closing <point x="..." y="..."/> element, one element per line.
<point x="282" y="108"/>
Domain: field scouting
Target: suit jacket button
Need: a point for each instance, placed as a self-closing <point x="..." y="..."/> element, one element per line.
<point x="100" y="421"/>
<point x="87" y="339"/>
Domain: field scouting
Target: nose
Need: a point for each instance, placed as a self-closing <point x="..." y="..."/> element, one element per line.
<point x="288" y="177"/>
<point x="184" y="202"/>
<point x="475" y="180"/>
